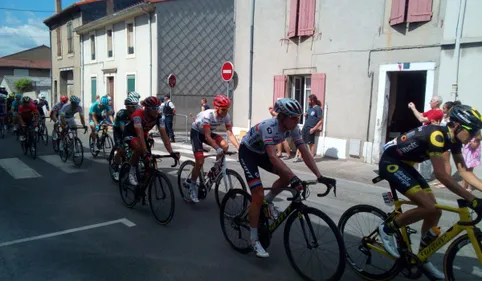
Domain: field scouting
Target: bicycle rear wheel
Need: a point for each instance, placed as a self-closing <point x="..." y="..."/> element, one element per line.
<point x="93" y="147"/>
<point x="77" y="152"/>
<point x="161" y="194"/>
<point x="45" y="135"/>
<point x="334" y="243"/>
<point x="229" y="180"/>
<point x="55" y="140"/>
<point x="125" y="188"/>
<point x="33" y="145"/>
<point x="64" y="151"/>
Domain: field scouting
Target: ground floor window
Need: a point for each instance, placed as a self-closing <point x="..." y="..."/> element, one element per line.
<point x="300" y="90"/>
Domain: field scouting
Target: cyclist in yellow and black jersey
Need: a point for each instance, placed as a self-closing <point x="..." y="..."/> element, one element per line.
<point x="416" y="146"/>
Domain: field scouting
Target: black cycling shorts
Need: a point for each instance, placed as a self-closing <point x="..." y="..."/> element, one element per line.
<point x="307" y="137"/>
<point x="197" y="140"/>
<point x="250" y="161"/>
<point x="118" y="137"/>
<point x="402" y="175"/>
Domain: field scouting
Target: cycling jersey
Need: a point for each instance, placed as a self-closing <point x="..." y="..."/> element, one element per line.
<point x="15" y="105"/>
<point x="122" y="118"/>
<point x="27" y="111"/>
<point x="139" y="119"/>
<point x="96" y="109"/>
<point x="268" y="133"/>
<point x="209" y="119"/>
<point x="40" y="106"/>
<point x="3" y="104"/>
<point x="9" y="103"/>
<point x="68" y="111"/>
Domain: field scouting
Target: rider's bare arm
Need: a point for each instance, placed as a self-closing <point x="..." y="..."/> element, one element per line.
<point x="209" y="140"/>
<point x="468" y="176"/>
<point x="165" y="139"/>
<point x="308" y="159"/>
<point x="279" y="165"/>
<point x="140" y="135"/>
<point x="232" y="138"/>
<point x="438" y="163"/>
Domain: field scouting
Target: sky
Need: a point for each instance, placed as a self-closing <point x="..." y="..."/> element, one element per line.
<point x="21" y="24"/>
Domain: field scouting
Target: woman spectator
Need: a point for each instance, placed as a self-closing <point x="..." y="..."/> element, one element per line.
<point x="471" y="153"/>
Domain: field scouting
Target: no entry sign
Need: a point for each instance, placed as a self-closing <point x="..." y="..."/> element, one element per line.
<point x="227" y="71"/>
<point x="171" y="80"/>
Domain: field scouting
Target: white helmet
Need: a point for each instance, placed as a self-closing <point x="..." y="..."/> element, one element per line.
<point x="2" y="96"/>
<point x="42" y="96"/>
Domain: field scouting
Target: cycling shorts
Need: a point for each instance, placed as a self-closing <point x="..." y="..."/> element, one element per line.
<point x="91" y="121"/>
<point x="402" y="175"/>
<point x="118" y="137"/>
<point x="197" y="140"/>
<point x="69" y="121"/>
<point x="250" y="161"/>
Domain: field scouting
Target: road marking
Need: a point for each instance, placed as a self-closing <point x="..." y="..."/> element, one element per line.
<point x="65" y="167"/>
<point x="17" y="169"/>
<point x="124" y="221"/>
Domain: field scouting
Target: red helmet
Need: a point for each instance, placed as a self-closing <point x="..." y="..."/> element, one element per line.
<point x="151" y="102"/>
<point x="221" y="101"/>
<point x="64" y="99"/>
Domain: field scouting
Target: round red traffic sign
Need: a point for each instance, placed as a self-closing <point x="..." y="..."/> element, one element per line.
<point x="171" y="80"/>
<point x="227" y="71"/>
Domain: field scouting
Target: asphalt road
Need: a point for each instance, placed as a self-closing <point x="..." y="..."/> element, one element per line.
<point x="64" y="223"/>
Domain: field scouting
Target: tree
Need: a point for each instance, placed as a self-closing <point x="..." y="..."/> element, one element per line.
<point x="24" y="85"/>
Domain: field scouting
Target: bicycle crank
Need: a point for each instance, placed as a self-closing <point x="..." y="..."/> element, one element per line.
<point x="412" y="266"/>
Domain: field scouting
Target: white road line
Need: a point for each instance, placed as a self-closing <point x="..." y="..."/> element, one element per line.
<point x="17" y="169"/>
<point x="124" y="221"/>
<point x="66" y="167"/>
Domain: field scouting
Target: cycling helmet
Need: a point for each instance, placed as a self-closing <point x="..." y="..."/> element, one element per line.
<point x="151" y="102"/>
<point x="64" y="99"/>
<point x="35" y="102"/>
<point x="42" y="96"/>
<point x="466" y="116"/>
<point x="2" y="96"/>
<point x="288" y="107"/>
<point x="104" y="100"/>
<point x="26" y="99"/>
<point x="18" y="96"/>
<point x="134" y="95"/>
<point x="11" y="95"/>
<point x="74" y="99"/>
<point x="221" y="101"/>
<point x="131" y="101"/>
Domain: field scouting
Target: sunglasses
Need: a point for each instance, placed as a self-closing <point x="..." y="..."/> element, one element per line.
<point x="223" y="109"/>
<point x="152" y="108"/>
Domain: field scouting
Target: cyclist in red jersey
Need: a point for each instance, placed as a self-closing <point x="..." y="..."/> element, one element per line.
<point x="135" y="133"/>
<point x="27" y="115"/>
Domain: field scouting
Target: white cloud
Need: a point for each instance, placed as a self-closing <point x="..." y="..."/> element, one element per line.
<point x="23" y="36"/>
<point x="10" y="19"/>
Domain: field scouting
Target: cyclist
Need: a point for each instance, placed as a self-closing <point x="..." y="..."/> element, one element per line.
<point x="3" y="110"/>
<point x="67" y="113"/>
<point x="96" y="116"/>
<point x="416" y="146"/>
<point x="27" y="115"/>
<point x="258" y="149"/>
<point x="135" y="133"/>
<point x="136" y="96"/>
<point x="202" y="132"/>
<point x="15" y="104"/>
<point x="122" y="118"/>
<point x="54" y="114"/>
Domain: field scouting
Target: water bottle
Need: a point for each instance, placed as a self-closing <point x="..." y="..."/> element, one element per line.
<point x="388" y="198"/>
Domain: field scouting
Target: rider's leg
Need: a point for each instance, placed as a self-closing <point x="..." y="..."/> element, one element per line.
<point x="198" y="165"/>
<point x="136" y="153"/>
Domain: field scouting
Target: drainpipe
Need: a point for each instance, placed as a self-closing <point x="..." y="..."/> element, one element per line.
<point x="150" y="48"/>
<point x="458" y="36"/>
<point x="325" y="110"/>
<point x="52" y="94"/>
<point x="82" y="71"/>
<point x="250" y="75"/>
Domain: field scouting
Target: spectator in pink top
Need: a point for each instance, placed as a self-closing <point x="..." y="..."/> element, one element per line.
<point x="433" y="116"/>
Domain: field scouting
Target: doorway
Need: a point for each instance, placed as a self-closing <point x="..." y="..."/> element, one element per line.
<point x="405" y="87"/>
<point x="110" y="89"/>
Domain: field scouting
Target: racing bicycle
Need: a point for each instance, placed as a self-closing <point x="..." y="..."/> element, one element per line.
<point x="71" y="145"/>
<point x="29" y="144"/>
<point x="103" y="141"/>
<point x="42" y="133"/>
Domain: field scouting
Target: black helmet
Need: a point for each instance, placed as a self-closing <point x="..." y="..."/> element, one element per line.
<point x="467" y="116"/>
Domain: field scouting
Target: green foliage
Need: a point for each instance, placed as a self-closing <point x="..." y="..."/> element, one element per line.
<point x="24" y="85"/>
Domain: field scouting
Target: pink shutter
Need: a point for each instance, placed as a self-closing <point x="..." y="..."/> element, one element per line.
<point x="419" y="10"/>
<point x="318" y="81"/>
<point x="279" y="88"/>
<point x="293" y="18"/>
<point x="398" y="12"/>
<point x="306" y="19"/>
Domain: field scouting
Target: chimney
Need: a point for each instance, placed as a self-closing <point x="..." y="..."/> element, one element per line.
<point x="109" y="6"/>
<point x="58" y="6"/>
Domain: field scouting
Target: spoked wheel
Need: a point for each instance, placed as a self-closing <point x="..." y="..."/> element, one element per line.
<point x="224" y="184"/>
<point x="55" y="140"/>
<point x="64" y="152"/>
<point x="45" y="135"/>
<point x="77" y="152"/>
<point x="327" y="249"/>
<point x="234" y="219"/>
<point x="458" y="266"/>
<point x="2" y="130"/>
<point x="127" y="191"/>
<point x="161" y="198"/>
<point x="24" y="145"/>
<point x="33" y="146"/>
<point x="107" y="146"/>
<point x="184" y="179"/>
<point x="93" y="146"/>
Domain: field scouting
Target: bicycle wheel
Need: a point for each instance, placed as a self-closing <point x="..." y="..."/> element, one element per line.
<point x="64" y="152"/>
<point x="55" y="140"/>
<point x="111" y="163"/>
<point x="2" y="130"/>
<point x="33" y="146"/>
<point x="107" y="146"/>
<point x="183" y="182"/>
<point x="466" y="267"/>
<point x="161" y="195"/>
<point x="24" y="144"/>
<point x="327" y="248"/>
<point x="236" y="220"/>
<point x="370" y="265"/>
<point x="77" y="152"/>
<point x="125" y="188"/>
<point x="93" y="147"/>
<point x="229" y="184"/>
<point x="45" y="135"/>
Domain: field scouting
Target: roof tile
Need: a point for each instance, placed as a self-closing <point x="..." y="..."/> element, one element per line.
<point x="36" y="64"/>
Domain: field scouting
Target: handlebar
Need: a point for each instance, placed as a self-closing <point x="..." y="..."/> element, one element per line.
<point x="229" y="153"/>
<point x="76" y="128"/>
<point x="466" y="204"/>
<point x="328" y="182"/>
<point x="176" y="160"/>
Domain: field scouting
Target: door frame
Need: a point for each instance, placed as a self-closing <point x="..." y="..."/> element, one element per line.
<point x="380" y="132"/>
<point x="106" y="82"/>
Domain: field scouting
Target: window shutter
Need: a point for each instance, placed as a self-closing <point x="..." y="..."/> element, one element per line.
<point x="131" y="83"/>
<point x="419" y="10"/>
<point x="279" y="88"/>
<point x="318" y="81"/>
<point x="293" y="18"/>
<point x="398" y="12"/>
<point x="93" y="88"/>
<point x="306" y="19"/>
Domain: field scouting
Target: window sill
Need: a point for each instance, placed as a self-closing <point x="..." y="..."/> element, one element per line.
<point x="133" y="56"/>
<point x="70" y="55"/>
<point x="59" y="58"/>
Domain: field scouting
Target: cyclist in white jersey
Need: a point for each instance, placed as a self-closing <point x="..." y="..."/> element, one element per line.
<point x="258" y="149"/>
<point x="68" y="111"/>
<point x="201" y="132"/>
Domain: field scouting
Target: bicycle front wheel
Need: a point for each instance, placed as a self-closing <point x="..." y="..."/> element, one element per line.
<point x="107" y="146"/>
<point x="77" y="152"/>
<point x="231" y="180"/>
<point x="184" y="179"/>
<point x="55" y="140"/>
<point x="45" y="135"/>
<point x="461" y="262"/>
<point x="33" y="146"/>
<point x="161" y="198"/>
<point x="331" y="247"/>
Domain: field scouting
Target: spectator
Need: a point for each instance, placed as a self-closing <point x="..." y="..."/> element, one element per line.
<point x="284" y="144"/>
<point x="471" y="153"/>
<point x="169" y="110"/>
<point x="432" y="116"/>
<point x="204" y="104"/>
<point x="313" y="124"/>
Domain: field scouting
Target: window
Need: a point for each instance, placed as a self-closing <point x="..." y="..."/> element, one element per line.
<point x="92" y="47"/>
<point x="70" y="35"/>
<point x="20" y="72"/>
<point x="59" y="42"/>
<point x="93" y="88"/>
<point x="109" y="43"/>
<point x="131" y="83"/>
<point x="301" y="18"/>
<point x="410" y="11"/>
<point x="130" y="38"/>
<point x="303" y="86"/>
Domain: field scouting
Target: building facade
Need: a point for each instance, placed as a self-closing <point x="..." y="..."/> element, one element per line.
<point x="32" y="62"/>
<point x="356" y="56"/>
